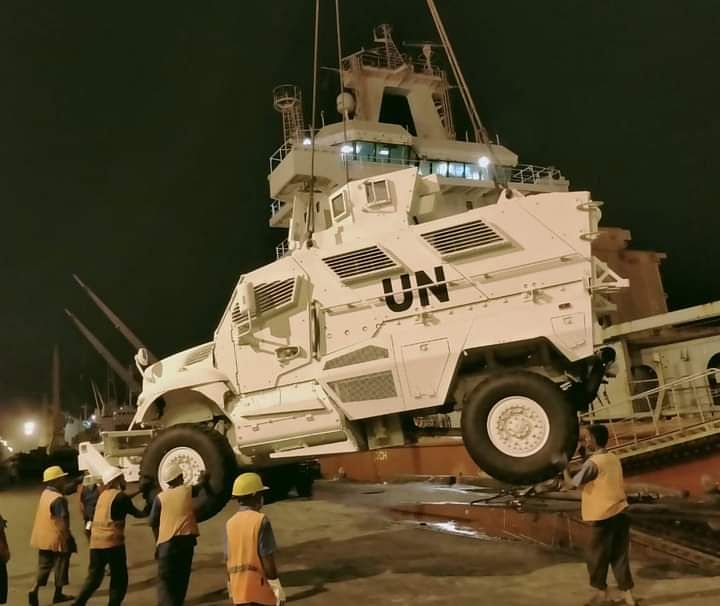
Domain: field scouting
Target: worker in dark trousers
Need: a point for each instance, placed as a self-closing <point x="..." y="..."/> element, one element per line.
<point x="51" y="536"/>
<point x="107" y="539"/>
<point x="4" y="559"/>
<point x="173" y="518"/>
<point x="603" y="505"/>
<point x="89" y="493"/>
<point x="250" y="548"/>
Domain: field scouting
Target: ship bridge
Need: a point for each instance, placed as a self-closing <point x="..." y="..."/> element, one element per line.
<point x="360" y="145"/>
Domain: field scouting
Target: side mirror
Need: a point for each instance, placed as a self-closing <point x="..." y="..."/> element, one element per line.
<point x="248" y="298"/>
<point x="142" y="357"/>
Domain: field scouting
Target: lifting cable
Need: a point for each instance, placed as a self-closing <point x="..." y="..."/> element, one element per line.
<point x="310" y="213"/>
<point x="342" y="85"/>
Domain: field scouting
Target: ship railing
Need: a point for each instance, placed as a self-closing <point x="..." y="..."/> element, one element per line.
<point x="677" y="405"/>
<point x="531" y="173"/>
<point x="282" y="249"/>
<point x="276" y="206"/>
<point x="302" y="138"/>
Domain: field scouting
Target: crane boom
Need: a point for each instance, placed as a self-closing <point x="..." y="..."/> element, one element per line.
<point x="119" y="325"/>
<point x="112" y="361"/>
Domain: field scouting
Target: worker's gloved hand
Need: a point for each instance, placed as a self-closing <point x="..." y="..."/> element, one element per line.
<point x="277" y="588"/>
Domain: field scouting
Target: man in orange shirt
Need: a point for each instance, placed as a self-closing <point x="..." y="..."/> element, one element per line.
<point x="51" y="536"/>
<point x="603" y="505"/>
<point x="250" y="549"/>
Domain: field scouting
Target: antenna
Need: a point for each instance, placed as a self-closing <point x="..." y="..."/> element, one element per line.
<point x="427" y="51"/>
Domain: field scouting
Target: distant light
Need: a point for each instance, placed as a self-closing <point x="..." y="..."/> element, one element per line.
<point x="93" y="417"/>
<point x="484" y="161"/>
<point x="10" y="449"/>
<point x="346" y="149"/>
<point x="384" y="152"/>
<point x="29" y="428"/>
<point x="307" y="141"/>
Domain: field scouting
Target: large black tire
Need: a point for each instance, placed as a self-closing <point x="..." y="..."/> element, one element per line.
<point x="561" y="437"/>
<point x="213" y="448"/>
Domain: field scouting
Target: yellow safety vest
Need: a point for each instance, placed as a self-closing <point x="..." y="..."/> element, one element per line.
<point x="248" y="583"/>
<point x="48" y="533"/>
<point x="106" y="532"/>
<point x="177" y="517"/>
<point x="604" y="497"/>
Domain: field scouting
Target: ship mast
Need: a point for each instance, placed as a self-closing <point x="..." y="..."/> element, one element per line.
<point x="481" y="135"/>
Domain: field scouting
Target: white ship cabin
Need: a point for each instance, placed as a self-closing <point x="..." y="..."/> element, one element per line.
<point x="455" y="175"/>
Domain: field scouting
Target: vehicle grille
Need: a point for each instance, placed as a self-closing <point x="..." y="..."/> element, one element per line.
<point x="368" y="353"/>
<point x="375" y="386"/>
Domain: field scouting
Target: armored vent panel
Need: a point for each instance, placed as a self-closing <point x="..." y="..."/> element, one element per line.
<point x="200" y="354"/>
<point x="369" y="353"/>
<point x="360" y="263"/>
<point x="274" y="295"/>
<point x="375" y="386"/>
<point x="269" y="297"/>
<point x="464" y="238"/>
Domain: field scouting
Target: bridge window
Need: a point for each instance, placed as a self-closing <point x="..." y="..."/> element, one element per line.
<point x="714" y="379"/>
<point x="365" y="151"/>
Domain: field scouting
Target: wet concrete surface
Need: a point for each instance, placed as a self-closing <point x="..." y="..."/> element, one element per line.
<point x="340" y="547"/>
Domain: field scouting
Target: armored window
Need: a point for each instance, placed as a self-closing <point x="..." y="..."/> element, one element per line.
<point x="338" y="207"/>
<point x="377" y="192"/>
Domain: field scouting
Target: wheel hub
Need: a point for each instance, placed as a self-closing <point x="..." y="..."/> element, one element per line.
<point x="518" y="426"/>
<point x="188" y="459"/>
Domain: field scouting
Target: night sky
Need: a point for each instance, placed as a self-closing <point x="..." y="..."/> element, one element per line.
<point x="136" y="136"/>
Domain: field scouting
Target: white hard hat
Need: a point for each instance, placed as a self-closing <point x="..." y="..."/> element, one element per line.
<point x="110" y="474"/>
<point x="170" y="472"/>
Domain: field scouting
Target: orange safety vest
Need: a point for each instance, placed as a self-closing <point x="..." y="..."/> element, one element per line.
<point x="106" y="532"/>
<point x="248" y="582"/>
<point x="177" y="517"/>
<point x="604" y="497"/>
<point x="48" y="533"/>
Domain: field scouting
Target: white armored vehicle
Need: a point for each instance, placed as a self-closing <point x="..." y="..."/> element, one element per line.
<point x="421" y="274"/>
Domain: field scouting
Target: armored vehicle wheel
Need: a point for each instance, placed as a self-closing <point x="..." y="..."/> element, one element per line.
<point x="196" y="449"/>
<point x="516" y="423"/>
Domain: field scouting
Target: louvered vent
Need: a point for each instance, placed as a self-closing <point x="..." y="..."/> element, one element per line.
<point x="368" y="353"/>
<point x="200" y="354"/>
<point x="360" y="263"/>
<point x="375" y="386"/>
<point x="464" y="238"/>
<point x="269" y="297"/>
<point x="274" y="295"/>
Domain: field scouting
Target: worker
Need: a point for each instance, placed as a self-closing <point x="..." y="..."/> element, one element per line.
<point x="603" y="506"/>
<point x="107" y="539"/>
<point x="4" y="559"/>
<point x="250" y="548"/>
<point x="173" y="518"/>
<point x="51" y="536"/>
<point x="89" y="492"/>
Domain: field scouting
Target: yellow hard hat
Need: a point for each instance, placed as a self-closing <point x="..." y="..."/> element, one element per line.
<point x="53" y="473"/>
<point x="246" y="484"/>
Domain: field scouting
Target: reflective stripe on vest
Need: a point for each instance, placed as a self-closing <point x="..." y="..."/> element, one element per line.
<point x="248" y="583"/>
<point x="48" y="533"/>
<point x="177" y="517"/>
<point x="604" y="497"/>
<point x="106" y="532"/>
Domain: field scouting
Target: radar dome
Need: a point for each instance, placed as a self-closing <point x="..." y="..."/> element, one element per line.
<point x="345" y="102"/>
